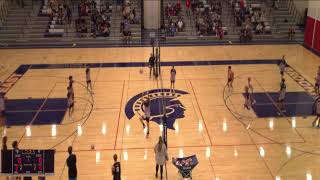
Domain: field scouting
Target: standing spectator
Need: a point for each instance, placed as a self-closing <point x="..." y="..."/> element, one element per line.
<point x="4" y="143"/>
<point x="161" y="156"/>
<point x="316" y="107"/>
<point x="116" y="168"/>
<point x="291" y="32"/>
<point x="15" y="145"/>
<point x="151" y="64"/>
<point x="72" y="165"/>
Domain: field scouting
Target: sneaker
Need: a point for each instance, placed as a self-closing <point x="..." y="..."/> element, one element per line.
<point x="313" y="123"/>
<point x="156" y="175"/>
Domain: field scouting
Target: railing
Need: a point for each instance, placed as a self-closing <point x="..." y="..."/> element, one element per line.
<point x="294" y="11"/>
<point x="4" y="8"/>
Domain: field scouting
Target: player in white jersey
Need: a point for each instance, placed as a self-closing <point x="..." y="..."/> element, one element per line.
<point x="282" y="66"/>
<point x="173" y="74"/>
<point x="88" y="78"/>
<point x="230" y="78"/>
<point x="316" y="107"/>
<point x="253" y="101"/>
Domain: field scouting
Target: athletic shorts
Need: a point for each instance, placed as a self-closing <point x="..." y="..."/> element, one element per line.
<point x="316" y="85"/>
<point x="71" y="105"/>
<point x="146" y="119"/>
<point x="89" y="81"/>
<point x="281" y="72"/>
<point x="229" y="79"/>
<point x="173" y="81"/>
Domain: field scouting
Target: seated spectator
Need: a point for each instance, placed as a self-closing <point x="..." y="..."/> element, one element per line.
<point x="259" y="29"/>
<point x="180" y="25"/>
<point x="172" y="29"/>
<point x="104" y="30"/>
<point x="291" y="32"/>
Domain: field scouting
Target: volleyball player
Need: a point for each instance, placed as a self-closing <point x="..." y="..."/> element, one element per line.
<point x="230" y="77"/>
<point x="70" y="102"/>
<point x="247" y="97"/>
<point x="173" y="73"/>
<point x="282" y="66"/>
<point x="151" y="64"/>
<point x="282" y="94"/>
<point x="116" y="168"/>
<point x="147" y="113"/>
<point x="252" y="101"/>
<point x="88" y="78"/>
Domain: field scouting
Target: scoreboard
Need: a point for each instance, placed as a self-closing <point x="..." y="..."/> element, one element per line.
<point x="28" y="162"/>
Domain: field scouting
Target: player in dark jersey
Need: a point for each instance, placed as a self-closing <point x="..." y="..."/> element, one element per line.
<point x="147" y="113"/>
<point x="151" y="64"/>
<point x="116" y="168"/>
<point x="88" y="78"/>
<point x="230" y="78"/>
<point x="247" y="97"/>
<point x="282" y="94"/>
<point x="173" y="74"/>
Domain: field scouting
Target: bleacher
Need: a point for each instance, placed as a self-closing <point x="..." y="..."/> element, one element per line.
<point x="32" y="25"/>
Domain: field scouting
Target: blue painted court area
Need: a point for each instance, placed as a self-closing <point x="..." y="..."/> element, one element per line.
<point x="296" y="104"/>
<point x="21" y="112"/>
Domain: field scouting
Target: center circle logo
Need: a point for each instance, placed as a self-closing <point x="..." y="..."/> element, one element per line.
<point x="160" y="100"/>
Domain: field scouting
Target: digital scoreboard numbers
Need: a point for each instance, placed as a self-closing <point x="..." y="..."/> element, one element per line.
<point x="28" y="162"/>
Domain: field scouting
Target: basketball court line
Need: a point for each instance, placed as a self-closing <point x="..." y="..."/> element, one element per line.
<point x="51" y="90"/>
<point x="275" y="105"/>
<point x="119" y="115"/>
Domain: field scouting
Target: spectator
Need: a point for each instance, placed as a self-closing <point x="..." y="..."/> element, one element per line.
<point x="116" y="168"/>
<point x="259" y="28"/>
<point x="4" y="143"/>
<point x="180" y="25"/>
<point x="15" y="145"/>
<point x="161" y="156"/>
<point x="291" y="32"/>
<point x="72" y="165"/>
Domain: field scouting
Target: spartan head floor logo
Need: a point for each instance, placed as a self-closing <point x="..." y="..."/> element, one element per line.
<point x="159" y="98"/>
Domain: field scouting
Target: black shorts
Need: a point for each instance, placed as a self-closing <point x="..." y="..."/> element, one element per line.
<point x="146" y="119"/>
<point x="88" y="81"/>
<point x="280" y="100"/>
<point x="317" y="85"/>
<point x="281" y="72"/>
<point x="173" y="81"/>
<point x="229" y="79"/>
<point x="71" y="105"/>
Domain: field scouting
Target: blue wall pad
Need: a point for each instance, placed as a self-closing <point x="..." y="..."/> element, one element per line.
<point x="49" y="117"/>
<point x="23" y="104"/>
<point x="38" y="111"/>
<point x="19" y="118"/>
